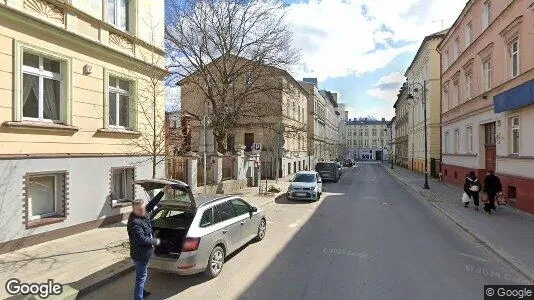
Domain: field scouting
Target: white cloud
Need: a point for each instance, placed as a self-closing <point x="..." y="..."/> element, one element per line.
<point x="344" y="37"/>
<point x="387" y="87"/>
<point x="376" y="112"/>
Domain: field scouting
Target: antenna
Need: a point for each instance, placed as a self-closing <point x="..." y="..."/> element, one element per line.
<point x="440" y="20"/>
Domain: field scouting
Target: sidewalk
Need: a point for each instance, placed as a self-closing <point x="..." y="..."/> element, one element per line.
<point x="84" y="260"/>
<point x="508" y="232"/>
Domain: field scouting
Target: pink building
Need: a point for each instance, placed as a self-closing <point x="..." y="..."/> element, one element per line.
<point x="487" y="109"/>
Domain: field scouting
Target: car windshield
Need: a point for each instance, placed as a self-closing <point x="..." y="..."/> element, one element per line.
<point x="304" y="178"/>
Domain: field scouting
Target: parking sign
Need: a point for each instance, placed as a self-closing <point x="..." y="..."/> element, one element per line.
<point x="256" y="148"/>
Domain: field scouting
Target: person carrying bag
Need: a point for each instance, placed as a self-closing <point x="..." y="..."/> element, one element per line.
<point x="471" y="189"/>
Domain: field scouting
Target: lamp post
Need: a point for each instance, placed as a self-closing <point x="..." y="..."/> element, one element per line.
<point x="391" y="157"/>
<point x="416" y="86"/>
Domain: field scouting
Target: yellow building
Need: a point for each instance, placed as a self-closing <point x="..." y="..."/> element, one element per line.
<point x="425" y="67"/>
<point x="73" y="78"/>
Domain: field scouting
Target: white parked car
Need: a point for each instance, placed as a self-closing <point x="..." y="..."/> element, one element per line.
<point x="306" y="185"/>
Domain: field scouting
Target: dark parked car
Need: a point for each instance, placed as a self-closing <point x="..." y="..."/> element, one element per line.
<point x="329" y="171"/>
<point x="347" y="163"/>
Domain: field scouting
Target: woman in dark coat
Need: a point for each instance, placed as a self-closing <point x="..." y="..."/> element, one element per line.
<point x="492" y="186"/>
<point x="471" y="188"/>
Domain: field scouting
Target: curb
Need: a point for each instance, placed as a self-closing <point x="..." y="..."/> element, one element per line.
<point x="93" y="286"/>
<point x="488" y="245"/>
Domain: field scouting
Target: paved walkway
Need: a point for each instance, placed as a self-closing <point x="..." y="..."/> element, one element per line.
<point x="508" y="232"/>
<point x="86" y="259"/>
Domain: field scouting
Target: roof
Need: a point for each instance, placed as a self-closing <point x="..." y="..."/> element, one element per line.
<point x="439" y="34"/>
<point x="283" y="72"/>
<point x="328" y="95"/>
<point x="367" y="122"/>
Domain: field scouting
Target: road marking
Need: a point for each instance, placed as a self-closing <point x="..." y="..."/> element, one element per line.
<point x="474" y="257"/>
<point x="270" y="222"/>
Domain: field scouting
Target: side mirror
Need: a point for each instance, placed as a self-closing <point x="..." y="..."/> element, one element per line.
<point x="254" y="209"/>
<point x="319" y="181"/>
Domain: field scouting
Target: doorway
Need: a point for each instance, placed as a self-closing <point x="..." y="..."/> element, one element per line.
<point x="489" y="145"/>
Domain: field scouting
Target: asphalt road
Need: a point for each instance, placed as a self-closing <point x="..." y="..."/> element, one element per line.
<point x="368" y="238"/>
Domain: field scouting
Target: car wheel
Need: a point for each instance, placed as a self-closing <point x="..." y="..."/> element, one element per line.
<point x="215" y="262"/>
<point x="262" y="229"/>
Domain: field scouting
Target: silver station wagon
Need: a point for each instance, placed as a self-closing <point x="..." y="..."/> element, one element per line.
<point x="198" y="233"/>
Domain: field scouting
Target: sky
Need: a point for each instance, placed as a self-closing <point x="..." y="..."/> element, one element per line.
<point x="361" y="49"/>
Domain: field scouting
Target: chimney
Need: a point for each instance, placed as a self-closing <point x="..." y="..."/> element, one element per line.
<point x="310" y="80"/>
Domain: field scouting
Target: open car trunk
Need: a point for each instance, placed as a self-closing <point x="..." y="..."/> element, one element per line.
<point x="171" y="226"/>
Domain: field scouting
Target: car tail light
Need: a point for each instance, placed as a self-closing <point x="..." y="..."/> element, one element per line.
<point x="191" y="244"/>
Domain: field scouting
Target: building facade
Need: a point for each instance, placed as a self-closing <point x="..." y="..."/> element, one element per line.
<point x="425" y="70"/>
<point x="73" y="75"/>
<point x="487" y="80"/>
<point x="281" y="129"/>
<point x="402" y="107"/>
<point x="323" y="122"/>
<point x="367" y="139"/>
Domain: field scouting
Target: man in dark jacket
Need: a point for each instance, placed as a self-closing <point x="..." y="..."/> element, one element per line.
<point x="492" y="186"/>
<point x="142" y="242"/>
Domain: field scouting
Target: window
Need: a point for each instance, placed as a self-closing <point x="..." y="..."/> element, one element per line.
<point x="468" y="85"/>
<point x="366" y="143"/>
<point x="240" y="207"/>
<point x="366" y="132"/>
<point x="374" y="143"/>
<point x="456" y="48"/>
<point x="45" y="195"/>
<point x="486" y="15"/>
<point x="513" y="49"/>
<point x="207" y="218"/>
<point x="118" y="13"/>
<point x="249" y="140"/>
<point x="457" y="141"/>
<point x="468" y="34"/>
<point x="446" y="59"/>
<point x="119" y="102"/>
<point x="223" y="212"/>
<point x="446" y="142"/>
<point x="361" y="143"/>
<point x="361" y="132"/>
<point x="455" y="94"/>
<point x="515" y="135"/>
<point x="374" y="131"/>
<point x="446" y="99"/>
<point x="122" y="184"/>
<point x="42" y="86"/>
<point x="298" y="112"/>
<point x="486" y="74"/>
<point x="470" y="139"/>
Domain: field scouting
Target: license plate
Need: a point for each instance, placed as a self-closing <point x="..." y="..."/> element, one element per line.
<point x="300" y="194"/>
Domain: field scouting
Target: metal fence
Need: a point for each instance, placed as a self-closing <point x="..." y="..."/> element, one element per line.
<point x="177" y="168"/>
<point x="227" y="168"/>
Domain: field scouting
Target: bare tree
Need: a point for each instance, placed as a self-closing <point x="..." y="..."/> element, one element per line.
<point x="232" y="52"/>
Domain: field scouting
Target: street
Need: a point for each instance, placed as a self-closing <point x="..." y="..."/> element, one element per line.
<point x="368" y="237"/>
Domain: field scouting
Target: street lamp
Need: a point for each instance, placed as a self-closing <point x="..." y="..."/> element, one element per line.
<point x="410" y="96"/>
<point x="391" y="158"/>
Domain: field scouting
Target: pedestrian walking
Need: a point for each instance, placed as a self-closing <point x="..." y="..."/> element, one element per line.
<point x="492" y="186"/>
<point x="142" y="242"/>
<point x="471" y="189"/>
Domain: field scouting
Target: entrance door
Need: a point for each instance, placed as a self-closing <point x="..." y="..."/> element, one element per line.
<point x="490" y="149"/>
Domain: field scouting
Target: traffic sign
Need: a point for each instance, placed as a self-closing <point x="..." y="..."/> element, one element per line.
<point x="256" y="148"/>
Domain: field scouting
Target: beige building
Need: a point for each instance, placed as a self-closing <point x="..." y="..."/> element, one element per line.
<point x="425" y="68"/>
<point x="281" y="110"/>
<point x="367" y="139"/>
<point x="402" y="108"/>
<point x="73" y="75"/>
<point x="324" y="122"/>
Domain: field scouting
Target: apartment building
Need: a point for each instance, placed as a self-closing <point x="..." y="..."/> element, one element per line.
<point x="323" y="122"/>
<point x="402" y="108"/>
<point x="487" y="83"/>
<point x="367" y="139"/>
<point x="72" y="77"/>
<point x="279" y="122"/>
<point x="425" y="70"/>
